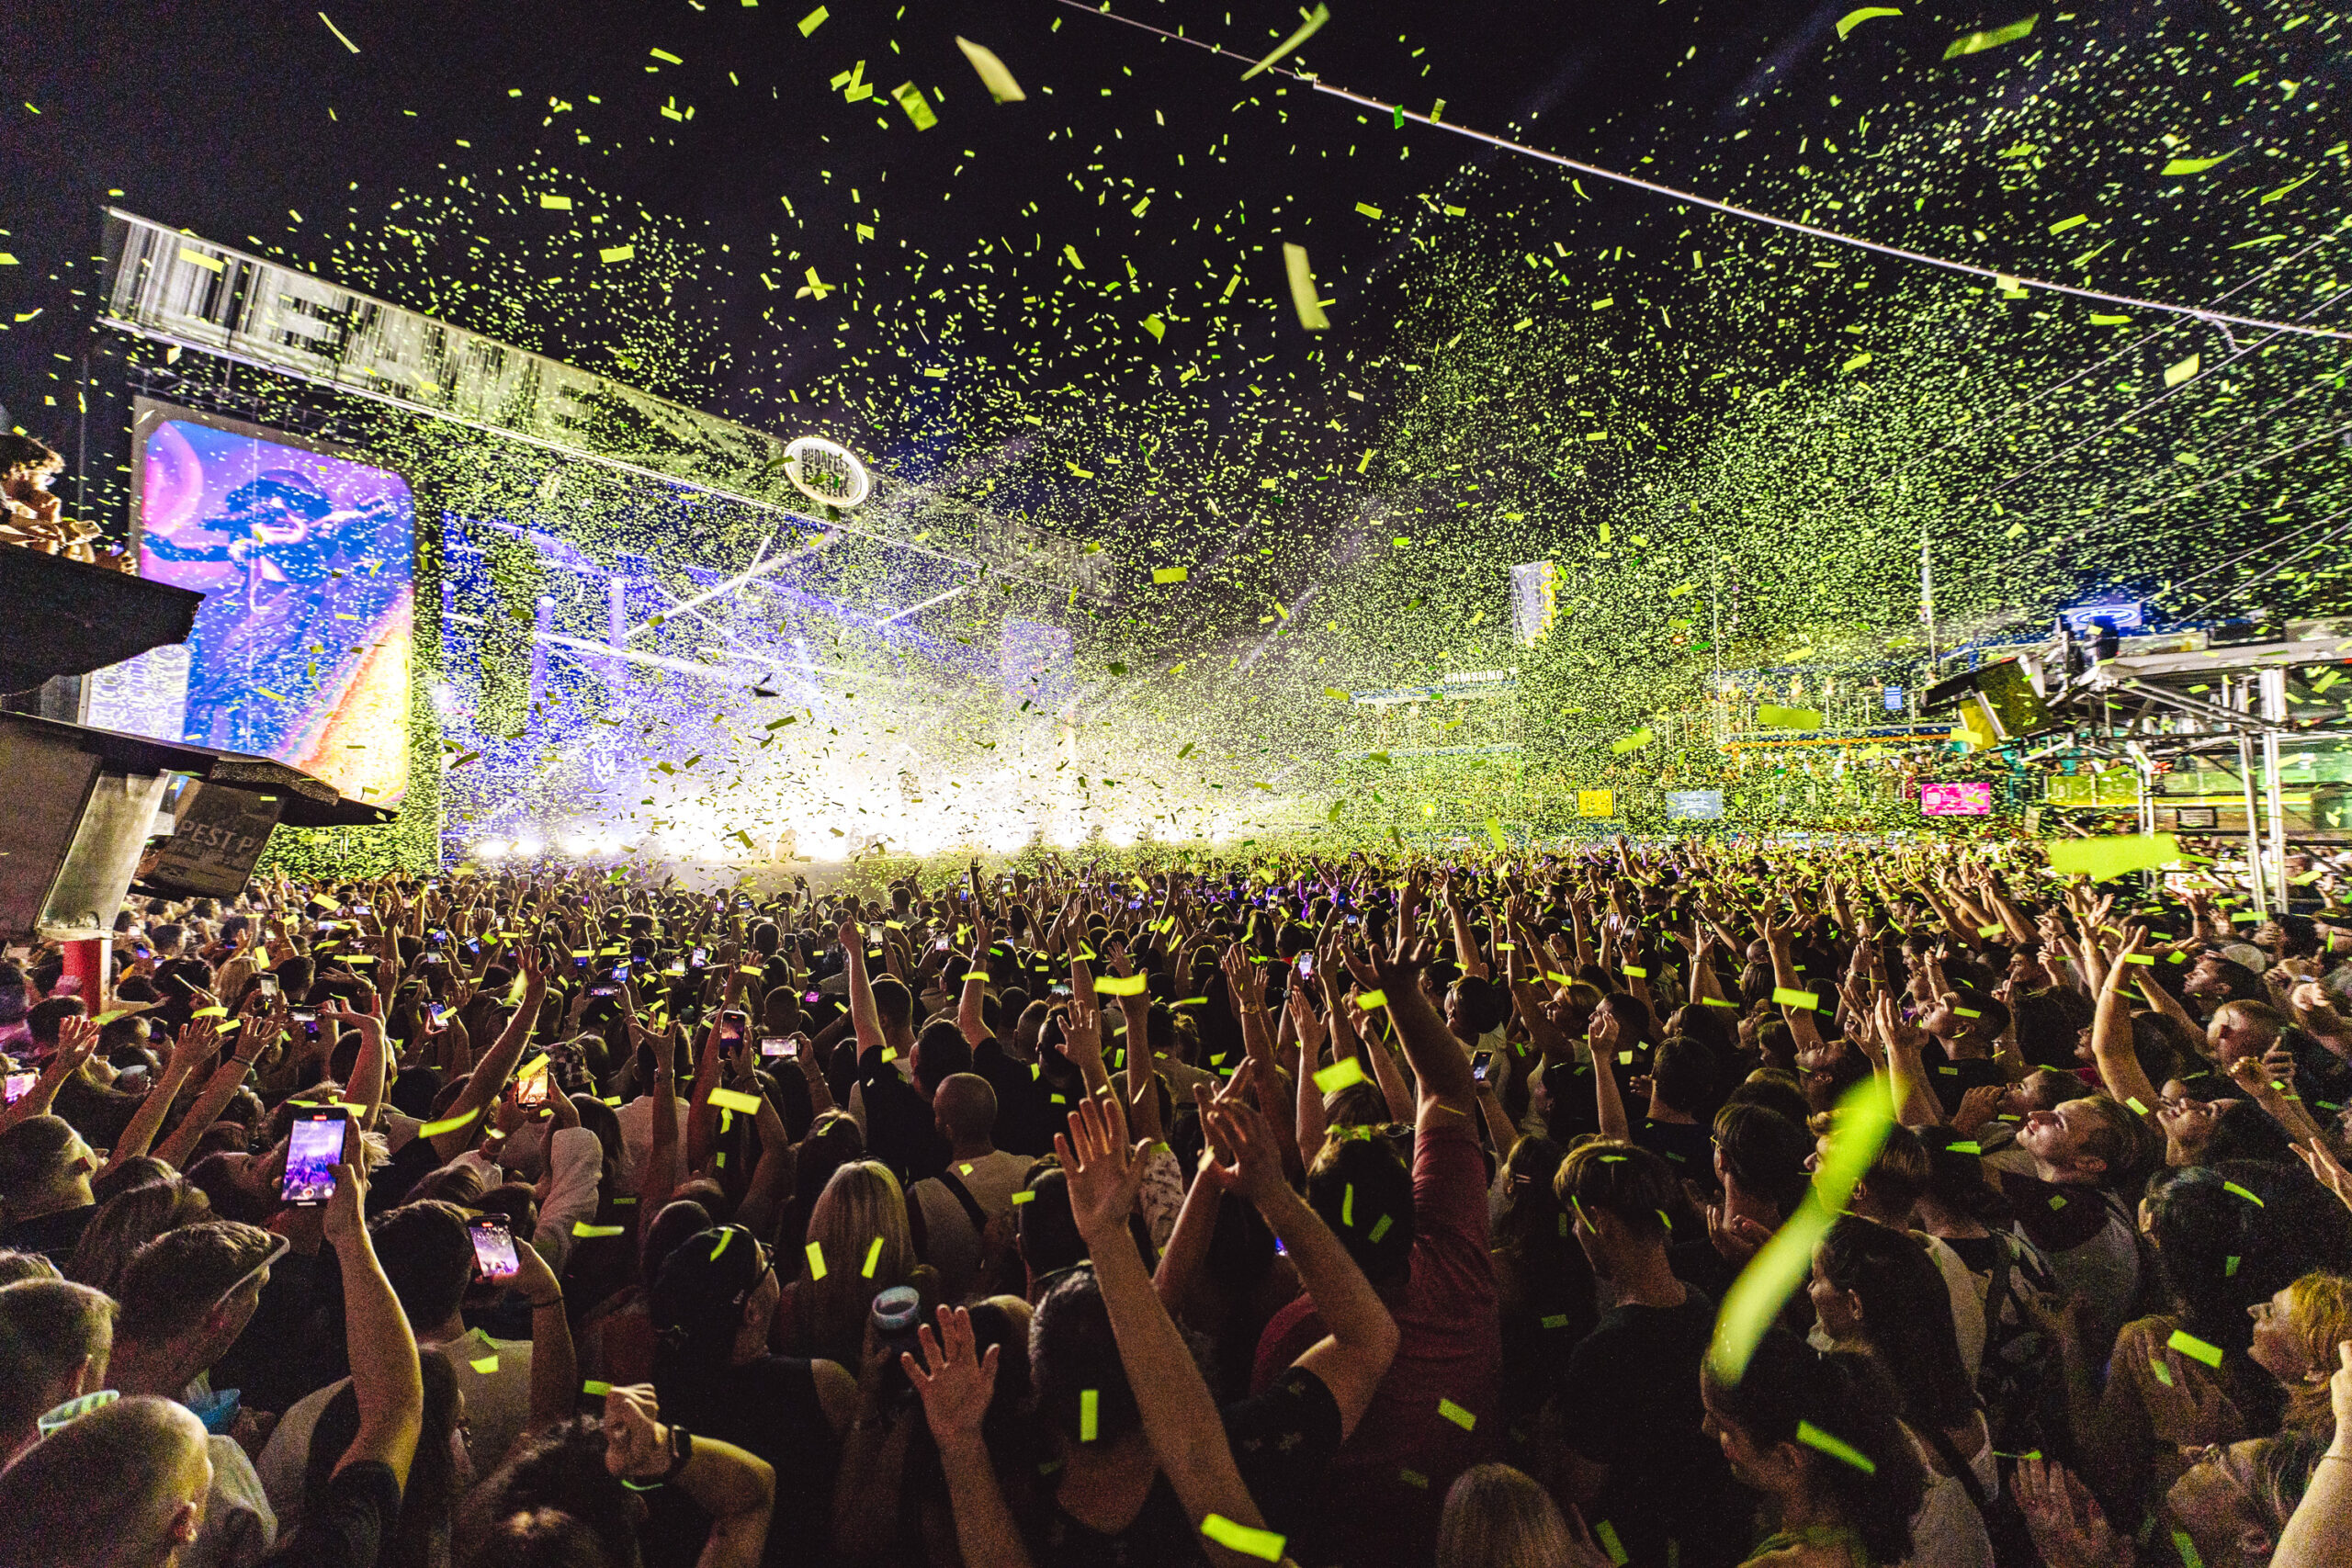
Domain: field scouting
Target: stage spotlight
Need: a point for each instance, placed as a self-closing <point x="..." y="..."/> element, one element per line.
<point x="492" y="849"/>
<point x="529" y="847"/>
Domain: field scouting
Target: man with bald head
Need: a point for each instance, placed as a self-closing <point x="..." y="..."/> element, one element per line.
<point x="976" y="1187"/>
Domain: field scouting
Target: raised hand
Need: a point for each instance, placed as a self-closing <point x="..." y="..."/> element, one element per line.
<point x="1241" y="1136"/>
<point x="1104" y="1173"/>
<point x="953" y="1384"/>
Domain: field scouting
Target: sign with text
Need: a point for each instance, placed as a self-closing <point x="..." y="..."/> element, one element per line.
<point x="218" y="835"/>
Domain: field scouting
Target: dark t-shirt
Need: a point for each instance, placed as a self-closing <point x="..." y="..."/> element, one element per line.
<point x="1024" y="1123"/>
<point x="1688" y="1147"/>
<point x="1952" y="1079"/>
<point x="1630" y="1400"/>
<point x="348" y="1524"/>
<point x="900" y="1129"/>
<point x="53" y="1236"/>
<point x="1283" y="1442"/>
<point x="770" y="1408"/>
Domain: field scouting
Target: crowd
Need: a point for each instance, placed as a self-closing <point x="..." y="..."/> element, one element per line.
<point x="1372" y="1212"/>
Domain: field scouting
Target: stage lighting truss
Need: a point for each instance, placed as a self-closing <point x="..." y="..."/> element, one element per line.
<point x="2158" y="699"/>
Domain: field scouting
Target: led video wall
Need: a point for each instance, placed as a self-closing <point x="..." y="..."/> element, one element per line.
<point x="306" y="560"/>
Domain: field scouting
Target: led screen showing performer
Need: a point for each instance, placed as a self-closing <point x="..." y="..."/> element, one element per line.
<point x="305" y="558"/>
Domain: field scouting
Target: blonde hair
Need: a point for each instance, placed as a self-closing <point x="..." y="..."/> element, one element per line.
<point x="1498" y="1517"/>
<point x="2322" y="1308"/>
<point x="861" y="1202"/>
<point x="129" y="1221"/>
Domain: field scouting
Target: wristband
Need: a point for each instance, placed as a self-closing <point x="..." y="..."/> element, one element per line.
<point x="682" y="1453"/>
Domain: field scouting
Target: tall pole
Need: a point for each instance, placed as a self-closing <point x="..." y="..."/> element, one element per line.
<point x="2274" y="714"/>
<point x="2253" y="829"/>
<point x="1928" y="601"/>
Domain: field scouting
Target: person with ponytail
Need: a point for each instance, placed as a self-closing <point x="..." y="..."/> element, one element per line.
<point x="1819" y="1437"/>
<point x="712" y="1306"/>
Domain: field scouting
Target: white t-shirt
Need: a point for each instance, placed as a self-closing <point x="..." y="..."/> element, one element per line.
<point x="954" y="1244"/>
<point x="637" y="1136"/>
<point x="495" y="1375"/>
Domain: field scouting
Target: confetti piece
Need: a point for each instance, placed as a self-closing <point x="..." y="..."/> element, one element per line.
<point x="1122" y="985"/>
<point x="595" y="1388"/>
<point x="1784" y="1263"/>
<point x="338" y="34"/>
<point x="873" y="1258"/>
<point x="582" y="1230"/>
<point x="1456" y="1413"/>
<point x="1978" y="42"/>
<point x="993" y="76"/>
<point x="2192" y="166"/>
<point x="447" y="1125"/>
<point x="736" y="1099"/>
<point x="1307" y="29"/>
<point x="1852" y="20"/>
<point x="1242" y="1539"/>
<point x="1773" y="717"/>
<point x="1302" y="289"/>
<point x="617" y="253"/>
<point x="1837" y="1447"/>
<point x="1783" y="996"/>
<point x="816" y="1259"/>
<point x="2188" y="1344"/>
<point x="812" y="21"/>
<point x="485" y="1365"/>
<point x="910" y="97"/>
<point x="1347" y="1070"/>
<point x="2105" y="858"/>
<point x="1606" y="1534"/>
<point x="1089" y="1405"/>
<point x="1164" y="575"/>
<point x="1368" y="1001"/>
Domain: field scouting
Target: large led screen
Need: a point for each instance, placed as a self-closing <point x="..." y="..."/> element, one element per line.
<point x="306" y="561"/>
<point x="1956" y="799"/>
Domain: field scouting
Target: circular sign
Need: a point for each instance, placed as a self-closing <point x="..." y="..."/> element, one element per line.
<point x="826" y="472"/>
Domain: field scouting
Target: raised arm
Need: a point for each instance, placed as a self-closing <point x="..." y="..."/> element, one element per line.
<point x="2119" y="1063"/>
<point x="218" y="1089"/>
<point x="955" y="1386"/>
<point x="488" y="1080"/>
<point x="385" y="1378"/>
<point x="1179" y="1418"/>
<point x="864" y="1017"/>
<point x="78" y="1038"/>
<point x="1362" y="1336"/>
<point x="195" y="1047"/>
<point x="1609" y="1104"/>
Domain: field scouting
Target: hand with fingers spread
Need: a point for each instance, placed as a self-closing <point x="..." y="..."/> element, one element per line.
<point x="2067" y="1525"/>
<point x="954" y="1384"/>
<point x="1244" y="1145"/>
<point x="1104" y="1173"/>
